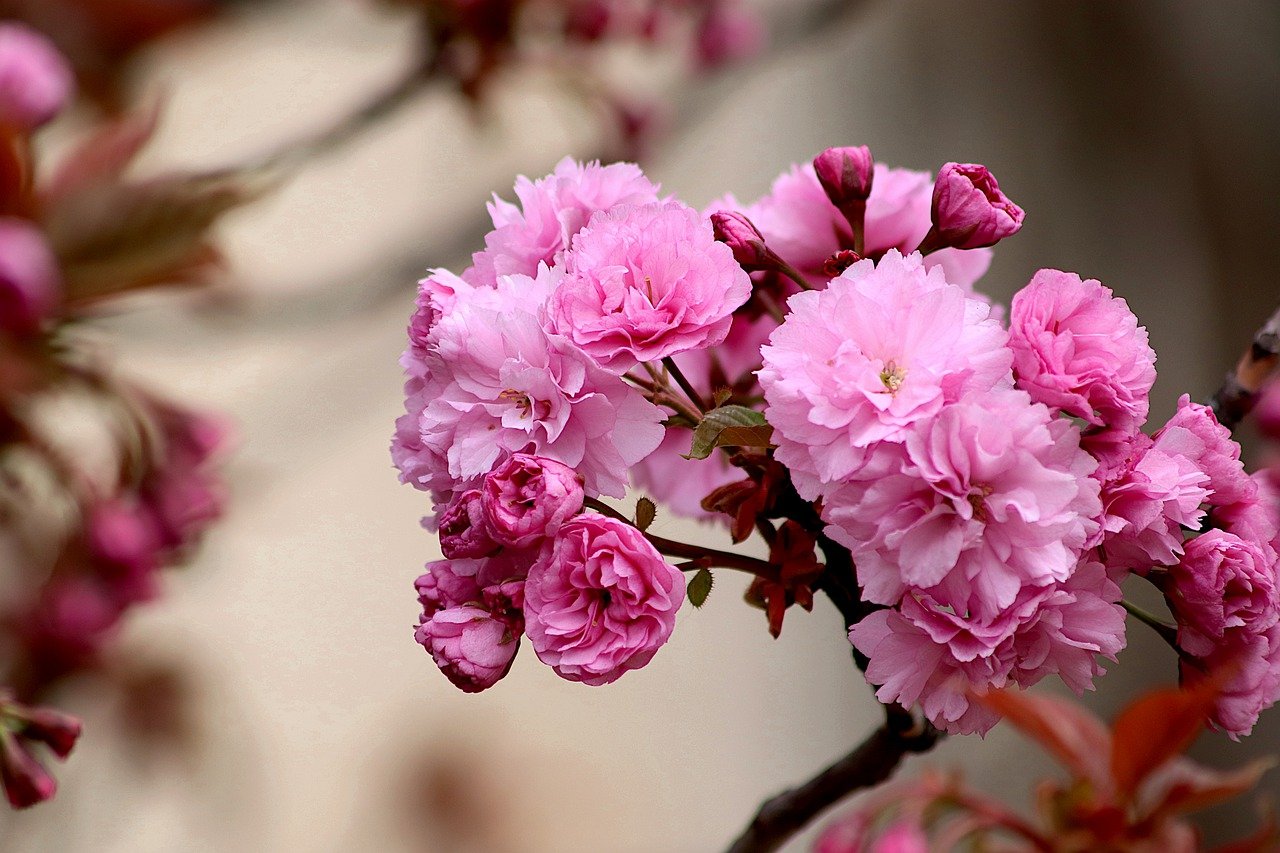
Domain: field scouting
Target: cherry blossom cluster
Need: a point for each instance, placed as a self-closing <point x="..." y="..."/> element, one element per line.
<point x="105" y="483"/>
<point x="969" y="488"/>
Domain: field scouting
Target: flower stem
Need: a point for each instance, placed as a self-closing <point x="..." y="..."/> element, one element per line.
<point x="1167" y="632"/>
<point x="685" y="385"/>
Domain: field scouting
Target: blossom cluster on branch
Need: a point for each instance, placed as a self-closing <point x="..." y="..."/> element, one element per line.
<point x="816" y="368"/>
<point x="105" y="483"/>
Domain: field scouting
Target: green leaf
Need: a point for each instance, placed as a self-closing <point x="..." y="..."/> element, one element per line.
<point x="729" y="426"/>
<point x="646" y="511"/>
<point x="700" y="587"/>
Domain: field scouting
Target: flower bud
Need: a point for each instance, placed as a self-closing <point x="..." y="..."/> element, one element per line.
<point x="54" y="729"/>
<point x="472" y="647"/>
<point x="839" y="262"/>
<point x="35" y="81"/>
<point x="26" y="782"/>
<point x="846" y="175"/>
<point x="28" y="277"/>
<point x="969" y="211"/>
<point x="743" y="238"/>
<point x="527" y="498"/>
<point x="463" y="532"/>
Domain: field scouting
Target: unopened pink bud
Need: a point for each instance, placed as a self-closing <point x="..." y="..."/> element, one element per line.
<point x="969" y="211"/>
<point x="29" y="287"/>
<point x="26" y="782"/>
<point x="845" y="174"/>
<point x="54" y="729"/>
<point x="35" y="81"/>
<point x="742" y="237"/>
<point x="463" y="531"/>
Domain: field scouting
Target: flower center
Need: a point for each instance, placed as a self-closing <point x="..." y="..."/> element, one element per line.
<point x="891" y="376"/>
<point x="977" y="500"/>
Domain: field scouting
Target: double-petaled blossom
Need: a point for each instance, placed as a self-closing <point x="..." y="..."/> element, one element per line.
<point x="645" y="282"/>
<point x="600" y="600"/>
<point x="527" y="499"/>
<point x="882" y="348"/>
<point x="497" y="383"/>
<point x="551" y="211"/>
<point x="464" y="533"/>
<point x="1080" y="349"/>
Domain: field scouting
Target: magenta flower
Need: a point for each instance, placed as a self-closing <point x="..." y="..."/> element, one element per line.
<point x="1194" y="432"/>
<point x="600" y="600"/>
<point x="464" y="532"/>
<point x="552" y="210"/>
<point x="1079" y="349"/>
<point x="35" y="81"/>
<point x="968" y="209"/>
<point x="883" y="347"/>
<point x="29" y="279"/>
<point x="527" y="498"/>
<point x="472" y="647"/>
<point x="26" y="781"/>
<point x="989" y="496"/>
<point x="846" y="175"/>
<point x="1223" y="585"/>
<point x="1253" y="684"/>
<point x="646" y="282"/>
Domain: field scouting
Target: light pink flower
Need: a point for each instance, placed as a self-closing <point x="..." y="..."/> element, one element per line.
<point x="1223" y="585"/>
<point x="497" y="384"/>
<point x="600" y="600"/>
<point x="969" y="210"/>
<point x="35" y="80"/>
<point x="883" y="347"/>
<point x="645" y="282"/>
<point x="1079" y="349"/>
<point x="802" y="225"/>
<point x="990" y="495"/>
<point x="552" y="210"/>
<point x="527" y="498"/>
<point x="1194" y="432"/>
<point x="1062" y="628"/>
<point x="29" y="279"/>
<point x="464" y="534"/>
<point x="472" y="647"/>
<point x="1147" y="501"/>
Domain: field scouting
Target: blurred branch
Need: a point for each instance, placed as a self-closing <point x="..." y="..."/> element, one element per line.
<point x="870" y="764"/>
<point x="1235" y="399"/>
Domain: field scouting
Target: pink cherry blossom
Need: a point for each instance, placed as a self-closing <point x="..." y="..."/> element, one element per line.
<point x="527" y="498"/>
<point x="35" y="80"/>
<point x="1194" y="432"/>
<point x="988" y="496"/>
<point x="1147" y="501"/>
<point x="1222" y="585"/>
<point x="1252" y="664"/>
<point x="552" y="210"/>
<point x="1079" y="349"/>
<point x="969" y="210"/>
<point x="600" y="600"/>
<point x="463" y="530"/>
<point x="497" y="383"/>
<point x="883" y="347"/>
<point x="645" y="282"/>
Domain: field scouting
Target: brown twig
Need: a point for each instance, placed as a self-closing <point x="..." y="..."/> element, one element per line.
<point x="870" y="764"/>
<point x="1239" y="390"/>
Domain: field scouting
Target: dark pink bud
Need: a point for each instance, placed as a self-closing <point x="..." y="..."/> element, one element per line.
<point x="730" y="32"/>
<point x="527" y="498"/>
<point x="741" y="235"/>
<point x="969" y="211"/>
<point x="26" y="782"/>
<point x="29" y="281"/>
<point x="35" y="81"/>
<point x="54" y="729"/>
<point x="463" y="531"/>
<point x="845" y="174"/>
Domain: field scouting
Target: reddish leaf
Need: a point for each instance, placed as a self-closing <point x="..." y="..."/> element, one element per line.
<point x="1155" y="728"/>
<point x="1066" y="730"/>
<point x="1182" y="785"/>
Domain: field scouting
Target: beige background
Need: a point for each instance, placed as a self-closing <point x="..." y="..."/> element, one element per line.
<point x="1140" y="139"/>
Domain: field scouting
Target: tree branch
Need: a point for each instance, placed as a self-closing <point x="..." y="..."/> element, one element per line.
<point x="870" y="764"/>
<point x="1240" y="388"/>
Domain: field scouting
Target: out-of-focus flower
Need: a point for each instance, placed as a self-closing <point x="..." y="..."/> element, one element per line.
<point x="29" y="279"/>
<point x="26" y="781"/>
<point x="35" y="80"/>
<point x="600" y="600"/>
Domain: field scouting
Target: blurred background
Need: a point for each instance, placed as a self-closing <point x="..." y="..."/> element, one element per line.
<point x="281" y="702"/>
